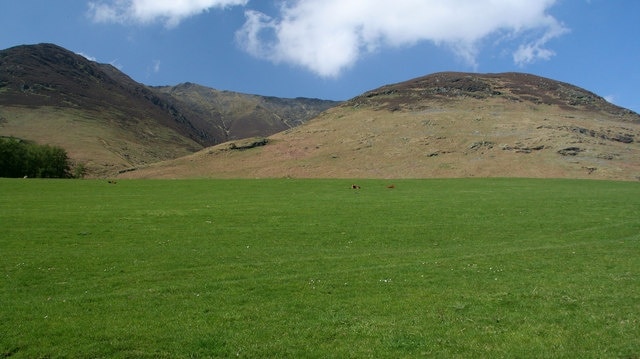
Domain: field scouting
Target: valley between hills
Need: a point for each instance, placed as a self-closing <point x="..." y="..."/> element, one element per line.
<point x="441" y="125"/>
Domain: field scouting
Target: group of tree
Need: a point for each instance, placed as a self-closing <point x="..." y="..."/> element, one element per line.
<point x="20" y="158"/>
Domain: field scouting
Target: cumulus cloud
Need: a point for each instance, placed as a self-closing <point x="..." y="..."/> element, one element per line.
<point x="171" y="12"/>
<point x="327" y="36"/>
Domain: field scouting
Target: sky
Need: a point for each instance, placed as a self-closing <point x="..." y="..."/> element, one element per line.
<point x="338" y="49"/>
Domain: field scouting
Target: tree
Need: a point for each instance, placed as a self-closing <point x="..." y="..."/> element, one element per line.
<point x="13" y="156"/>
<point x="19" y="158"/>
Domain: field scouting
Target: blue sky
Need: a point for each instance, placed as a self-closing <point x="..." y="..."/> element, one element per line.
<point x="337" y="49"/>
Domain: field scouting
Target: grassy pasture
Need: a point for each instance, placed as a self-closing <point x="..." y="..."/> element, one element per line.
<point x="311" y="268"/>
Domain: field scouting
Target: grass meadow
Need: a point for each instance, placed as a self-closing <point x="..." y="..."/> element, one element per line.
<point x="312" y="268"/>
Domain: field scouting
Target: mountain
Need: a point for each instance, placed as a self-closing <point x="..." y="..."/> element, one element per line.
<point x="109" y="122"/>
<point x="442" y="125"/>
<point x="53" y="96"/>
<point x="237" y="115"/>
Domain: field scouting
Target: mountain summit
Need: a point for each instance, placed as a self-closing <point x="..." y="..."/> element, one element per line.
<point x="512" y="87"/>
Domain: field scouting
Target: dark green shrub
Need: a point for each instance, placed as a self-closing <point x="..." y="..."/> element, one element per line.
<point x="20" y="158"/>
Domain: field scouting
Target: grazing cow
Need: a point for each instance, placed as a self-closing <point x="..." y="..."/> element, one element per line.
<point x="391" y="186"/>
<point x="355" y="186"/>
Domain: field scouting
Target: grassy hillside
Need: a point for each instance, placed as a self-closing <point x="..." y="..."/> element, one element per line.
<point x="462" y="137"/>
<point x="312" y="268"/>
<point x="96" y="139"/>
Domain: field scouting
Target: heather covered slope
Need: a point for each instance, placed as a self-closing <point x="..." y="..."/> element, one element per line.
<point x="441" y="125"/>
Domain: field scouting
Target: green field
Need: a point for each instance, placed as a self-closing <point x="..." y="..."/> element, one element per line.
<point x="313" y="269"/>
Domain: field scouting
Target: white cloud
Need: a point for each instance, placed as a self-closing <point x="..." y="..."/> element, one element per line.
<point x="90" y="58"/>
<point x="171" y="12"/>
<point x="115" y="63"/>
<point x="610" y="98"/>
<point x="534" y="50"/>
<point x="153" y="68"/>
<point x="327" y="36"/>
